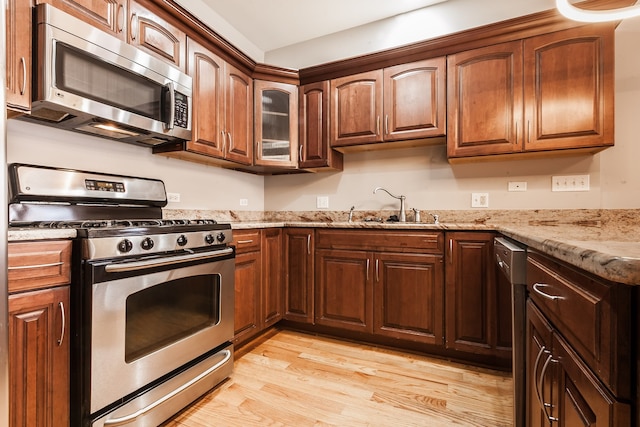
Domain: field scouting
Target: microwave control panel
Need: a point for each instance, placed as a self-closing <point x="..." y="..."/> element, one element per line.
<point x="181" y="111"/>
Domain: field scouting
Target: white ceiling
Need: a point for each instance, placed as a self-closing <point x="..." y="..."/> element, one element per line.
<point x="273" y="24"/>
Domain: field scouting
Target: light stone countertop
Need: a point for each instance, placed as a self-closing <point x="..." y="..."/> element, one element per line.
<point x="606" y="247"/>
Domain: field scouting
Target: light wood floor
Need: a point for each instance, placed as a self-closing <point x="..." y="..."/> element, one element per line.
<point x="296" y="379"/>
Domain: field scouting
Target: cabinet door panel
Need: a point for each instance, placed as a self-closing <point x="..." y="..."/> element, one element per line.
<point x="484" y="101"/>
<point x="356" y="109"/>
<point x="343" y="290"/>
<point x="414" y="100"/>
<point x="272" y="291"/>
<point x="247" y="296"/>
<point x="239" y="116"/>
<point x="408" y="297"/>
<point x="107" y="15"/>
<point x="569" y="89"/>
<point x="299" y="275"/>
<point x="39" y="358"/>
<point x="157" y="36"/>
<point x="206" y="69"/>
<point x="276" y="127"/>
<point x="18" y="57"/>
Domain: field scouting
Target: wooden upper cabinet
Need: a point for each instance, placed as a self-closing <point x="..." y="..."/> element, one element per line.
<point x="238" y="116"/>
<point x="207" y="71"/>
<point x="569" y="88"/>
<point x="544" y="93"/>
<point x="156" y="35"/>
<point x="315" y="152"/>
<point x="484" y="101"/>
<point x="108" y="15"/>
<point x="415" y="100"/>
<point x="18" y="48"/>
<point x="276" y="124"/>
<point x="356" y="109"/>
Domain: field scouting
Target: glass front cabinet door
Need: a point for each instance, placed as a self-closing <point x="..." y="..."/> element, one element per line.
<point x="276" y="125"/>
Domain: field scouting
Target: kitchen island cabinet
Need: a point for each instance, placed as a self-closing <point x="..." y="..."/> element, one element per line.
<point x="545" y="93"/>
<point x="395" y="293"/>
<point x="38" y="278"/>
<point x="478" y="308"/>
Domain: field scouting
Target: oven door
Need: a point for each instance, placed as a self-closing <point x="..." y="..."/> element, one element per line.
<point x="151" y="316"/>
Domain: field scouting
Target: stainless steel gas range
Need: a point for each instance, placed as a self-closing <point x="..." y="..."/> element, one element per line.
<point x="151" y="299"/>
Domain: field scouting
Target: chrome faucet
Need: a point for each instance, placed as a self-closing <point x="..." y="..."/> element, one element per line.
<point x="403" y="215"/>
<point x="351" y="213"/>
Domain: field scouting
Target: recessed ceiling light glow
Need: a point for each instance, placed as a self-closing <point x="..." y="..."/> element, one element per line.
<point x="578" y="14"/>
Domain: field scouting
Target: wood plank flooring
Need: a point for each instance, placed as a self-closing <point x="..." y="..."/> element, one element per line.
<point x="290" y="378"/>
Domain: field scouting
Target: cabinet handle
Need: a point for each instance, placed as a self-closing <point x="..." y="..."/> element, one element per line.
<point x="541" y="385"/>
<point x="64" y="323"/>
<point x="536" y="289"/>
<point x="377" y="125"/>
<point x="242" y="242"/>
<point x="367" y="269"/>
<point x="309" y="244"/>
<point x="386" y="124"/>
<point x="528" y="131"/>
<point x="450" y="251"/>
<point x="132" y="27"/>
<point x="224" y="141"/>
<point x="536" y="384"/>
<point x="230" y="141"/>
<point x="27" y="267"/>
<point x="377" y="270"/>
<point x="120" y="18"/>
<point x="300" y="153"/>
<point x="516" y="133"/>
<point x="24" y="75"/>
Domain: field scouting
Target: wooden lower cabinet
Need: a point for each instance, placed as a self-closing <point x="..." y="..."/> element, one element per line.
<point x="299" y="270"/>
<point x="272" y="285"/>
<point x="562" y="390"/>
<point x="408" y="297"/>
<point x="396" y="293"/>
<point x="39" y="358"/>
<point x="248" y="278"/>
<point x="478" y="307"/>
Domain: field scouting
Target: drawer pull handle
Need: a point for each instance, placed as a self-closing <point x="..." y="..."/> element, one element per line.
<point x="536" y="288"/>
<point x="64" y="322"/>
<point x="546" y="405"/>
<point x="243" y="242"/>
<point x="27" y="267"/>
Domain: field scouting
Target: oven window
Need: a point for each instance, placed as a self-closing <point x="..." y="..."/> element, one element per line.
<point x="163" y="314"/>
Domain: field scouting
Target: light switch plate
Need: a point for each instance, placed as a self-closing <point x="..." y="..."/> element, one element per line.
<point x="322" y="202"/>
<point x="570" y="183"/>
<point x="479" y="200"/>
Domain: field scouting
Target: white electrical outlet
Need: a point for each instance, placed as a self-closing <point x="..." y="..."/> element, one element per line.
<point x="570" y="183"/>
<point x="173" y="197"/>
<point x="322" y="202"/>
<point x="479" y="200"/>
<point x="244" y="202"/>
<point x="517" y="186"/>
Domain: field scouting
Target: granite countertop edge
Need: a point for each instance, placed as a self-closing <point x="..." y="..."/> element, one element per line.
<point x="610" y="254"/>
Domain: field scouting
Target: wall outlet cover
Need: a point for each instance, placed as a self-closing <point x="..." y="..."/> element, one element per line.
<point x="479" y="200"/>
<point x="322" y="202"/>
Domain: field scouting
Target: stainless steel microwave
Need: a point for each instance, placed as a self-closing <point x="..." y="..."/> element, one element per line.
<point x="88" y="81"/>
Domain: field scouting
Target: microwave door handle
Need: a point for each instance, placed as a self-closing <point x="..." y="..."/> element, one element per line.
<point x="172" y="106"/>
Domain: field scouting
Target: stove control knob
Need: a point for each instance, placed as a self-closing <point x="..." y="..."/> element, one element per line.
<point x="147" y="243"/>
<point x="209" y="239"/>
<point x="182" y="240"/>
<point x="220" y="237"/>
<point x="125" y="245"/>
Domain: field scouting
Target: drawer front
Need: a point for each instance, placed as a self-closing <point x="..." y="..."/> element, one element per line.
<point x="246" y="240"/>
<point x="381" y="240"/>
<point x="587" y="312"/>
<point x="34" y="265"/>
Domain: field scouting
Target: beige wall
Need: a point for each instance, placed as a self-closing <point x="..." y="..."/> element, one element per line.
<point x="422" y="174"/>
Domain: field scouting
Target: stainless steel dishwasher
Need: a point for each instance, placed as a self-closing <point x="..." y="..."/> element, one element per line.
<point x="511" y="258"/>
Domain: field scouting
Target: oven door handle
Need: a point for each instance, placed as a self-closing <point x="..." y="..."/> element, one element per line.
<point x="161" y="262"/>
<point x="140" y="412"/>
